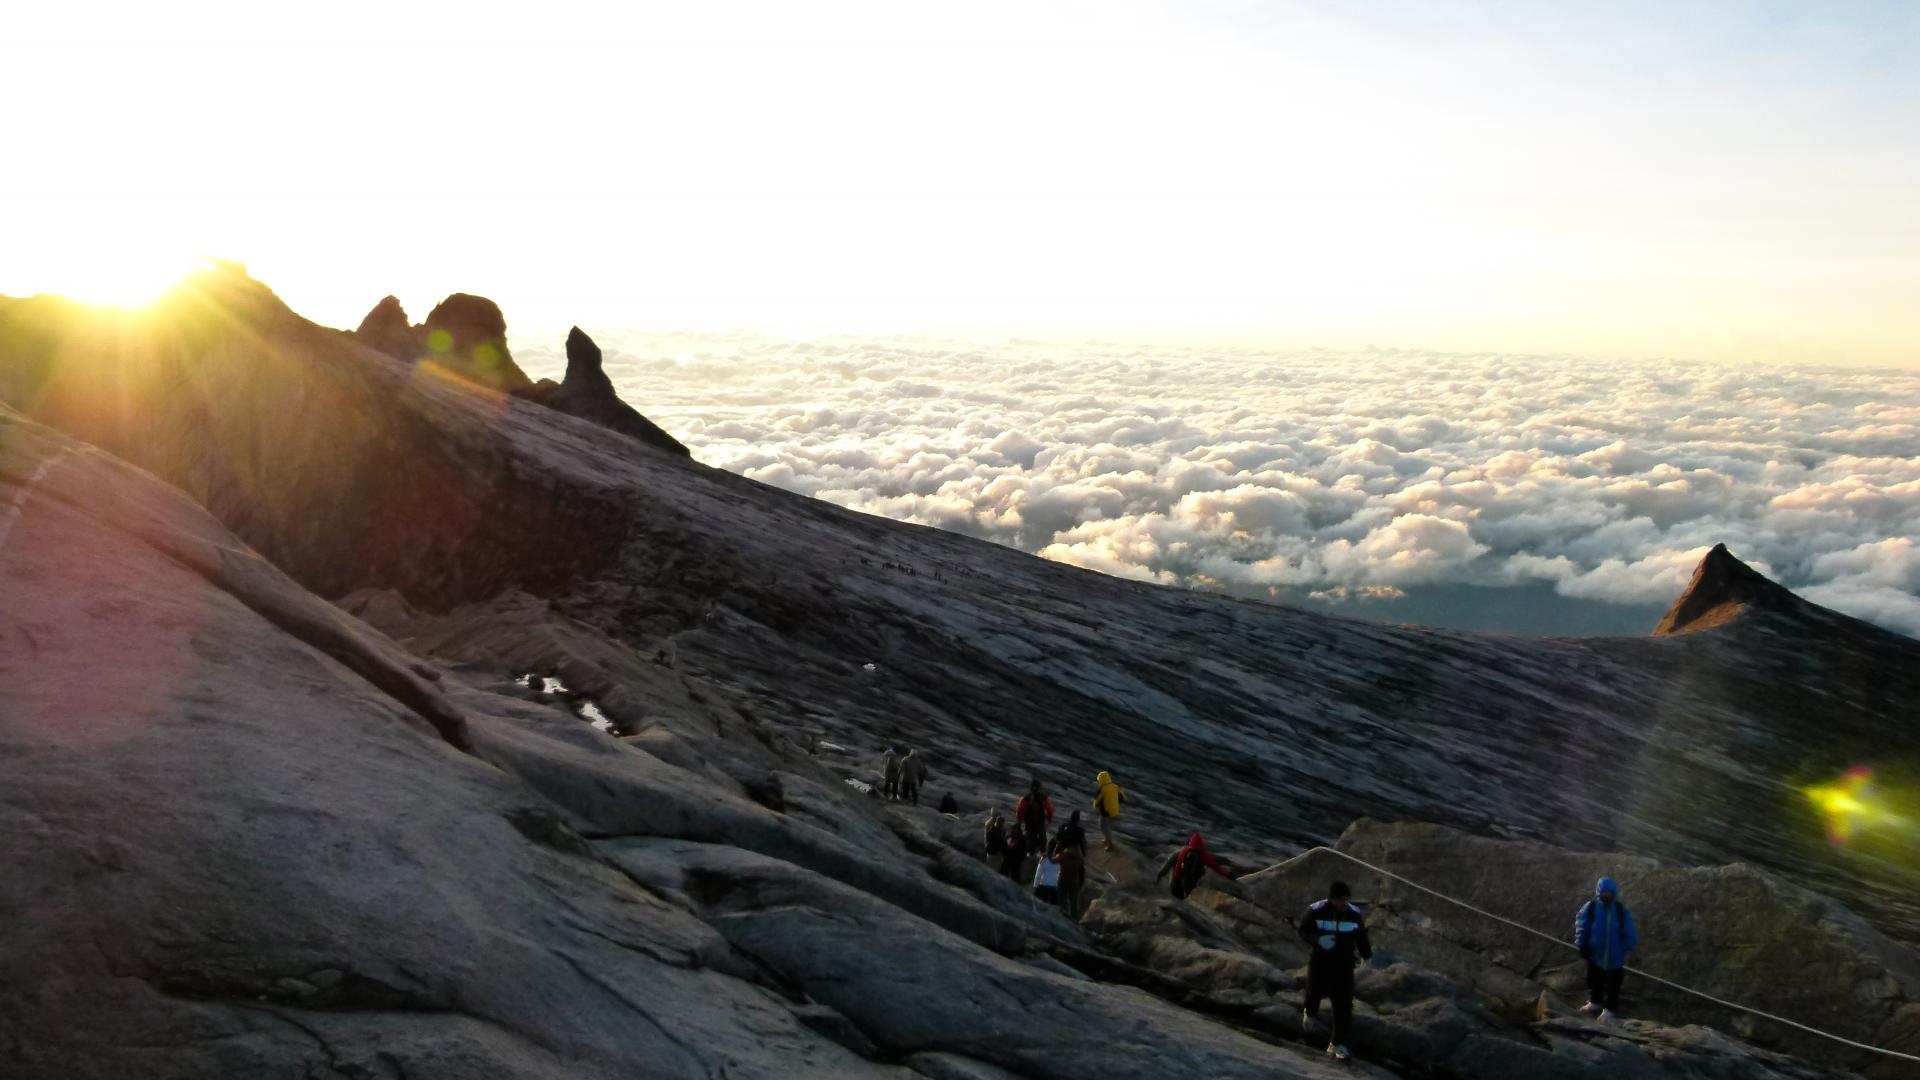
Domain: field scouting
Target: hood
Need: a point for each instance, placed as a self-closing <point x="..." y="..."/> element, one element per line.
<point x="1196" y="842"/>
<point x="1105" y="777"/>
<point x="1606" y="885"/>
<point x="1074" y="819"/>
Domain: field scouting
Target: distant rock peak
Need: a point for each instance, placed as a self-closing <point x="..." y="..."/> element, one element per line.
<point x="1722" y="589"/>
<point x="584" y="362"/>
<point x="467" y="335"/>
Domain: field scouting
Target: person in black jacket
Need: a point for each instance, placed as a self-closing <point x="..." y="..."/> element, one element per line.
<point x="1336" y="928"/>
<point x="1013" y="857"/>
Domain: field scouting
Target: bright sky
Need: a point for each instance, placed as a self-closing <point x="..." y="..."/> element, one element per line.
<point x="1736" y="180"/>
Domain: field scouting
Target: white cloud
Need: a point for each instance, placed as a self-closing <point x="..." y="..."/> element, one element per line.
<point x="1325" y="471"/>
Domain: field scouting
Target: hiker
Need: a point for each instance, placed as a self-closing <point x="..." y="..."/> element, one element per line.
<point x="1107" y="800"/>
<point x="890" y="773"/>
<point x="1013" y="854"/>
<point x="996" y="835"/>
<point x="1046" y="880"/>
<point x="1187" y="865"/>
<point x="1073" y="875"/>
<point x="949" y="804"/>
<point x="1605" y="933"/>
<point x="1035" y="811"/>
<point x="913" y="773"/>
<point x="1336" y="928"/>
<point x="1071" y="835"/>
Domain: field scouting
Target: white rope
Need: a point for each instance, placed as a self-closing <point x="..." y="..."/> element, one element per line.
<point x="1651" y="978"/>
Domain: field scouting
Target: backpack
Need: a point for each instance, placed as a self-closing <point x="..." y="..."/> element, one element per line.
<point x="1186" y="874"/>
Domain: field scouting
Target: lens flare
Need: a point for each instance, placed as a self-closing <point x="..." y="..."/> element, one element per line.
<point x="1852" y="805"/>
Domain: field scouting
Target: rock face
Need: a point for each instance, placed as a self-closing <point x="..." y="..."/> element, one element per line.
<point x="386" y="328"/>
<point x="1722" y="589"/>
<point x="426" y="869"/>
<point x="350" y="471"/>
<point x="468" y="335"/>
<point x="588" y="394"/>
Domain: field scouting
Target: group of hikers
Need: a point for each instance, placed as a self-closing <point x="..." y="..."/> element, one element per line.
<point x="1334" y="929"/>
<point x="1059" y="861"/>
<point x="1335" y="932"/>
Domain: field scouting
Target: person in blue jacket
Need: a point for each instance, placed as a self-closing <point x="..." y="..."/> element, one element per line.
<point x="1605" y="933"/>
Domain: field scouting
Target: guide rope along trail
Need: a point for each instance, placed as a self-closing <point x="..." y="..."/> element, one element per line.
<point x="1703" y="995"/>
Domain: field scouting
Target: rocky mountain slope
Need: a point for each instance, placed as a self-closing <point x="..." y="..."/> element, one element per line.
<point x="263" y="833"/>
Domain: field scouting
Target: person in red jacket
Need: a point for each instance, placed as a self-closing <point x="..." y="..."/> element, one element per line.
<point x="1034" y="812"/>
<point x="1187" y="864"/>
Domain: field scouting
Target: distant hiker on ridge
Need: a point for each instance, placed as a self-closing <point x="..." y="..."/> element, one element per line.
<point x="949" y="804"/>
<point x="1035" y="811"/>
<point x="996" y="835"/>
<point x="1187" y="864"/>
<point x="1336" y="929"/>
<point x="1107" y="800"/>
<point x="1605" y="933"/>
<point x="890" y="774"/>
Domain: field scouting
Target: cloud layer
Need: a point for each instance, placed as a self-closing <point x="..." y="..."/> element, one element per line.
<point x="1348" y="474"/>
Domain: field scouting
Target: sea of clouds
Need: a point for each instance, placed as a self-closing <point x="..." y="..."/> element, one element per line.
<point x="1350" y="475"/>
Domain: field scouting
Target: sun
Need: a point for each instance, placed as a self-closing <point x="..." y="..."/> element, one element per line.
<point x="121" y="277"/>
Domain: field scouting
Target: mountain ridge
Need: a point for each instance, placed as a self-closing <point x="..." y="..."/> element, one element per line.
<point x="752" y="651"/>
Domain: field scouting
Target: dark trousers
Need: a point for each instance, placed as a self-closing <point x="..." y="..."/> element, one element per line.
<point x="890" y="789"/>
<point x="1603" y="986"/>
<point x="910" y="792"/>
<point x="1330" y="976"/>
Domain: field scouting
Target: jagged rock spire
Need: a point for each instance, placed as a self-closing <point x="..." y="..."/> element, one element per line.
<point x="583" y="362"/>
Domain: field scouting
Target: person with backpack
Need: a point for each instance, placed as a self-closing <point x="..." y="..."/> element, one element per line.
<point x="889" y="775"/>
<point x="1107" y="799"/>
<point x="1073" y="876"/>
<point x="1013" y="853"/>
<point x="1605" y="933"/>
<point x="1336" y="930"/>
<point x="1046" y="880"/>
<point x="996" y="835"/>
<point x="1187" y="865"/>
<point x="913" y="773"/>
<point x="1071" y="835"/>
<point x="1035" y="812"/>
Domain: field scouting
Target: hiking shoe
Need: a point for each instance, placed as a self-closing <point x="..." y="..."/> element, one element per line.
<point x="1337" y="1052"/>
<point x="1590" y="1008"/>
<point x="1607" y="1017"/>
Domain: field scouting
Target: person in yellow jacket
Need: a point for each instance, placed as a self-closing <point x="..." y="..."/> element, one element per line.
<point x="1107" y="800"/>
